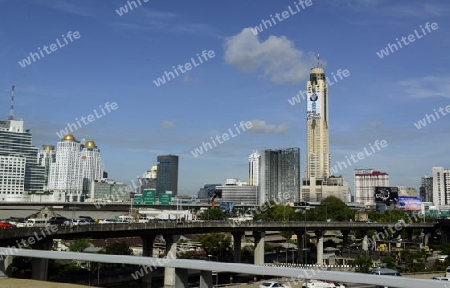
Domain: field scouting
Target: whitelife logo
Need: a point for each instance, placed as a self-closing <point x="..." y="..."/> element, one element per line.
<point x="53" y="48"/>
<point x="423" y="122"/>
<point x="206" y="55"/>
<point x="124" y="9"/>
<point x="411" y="38"/>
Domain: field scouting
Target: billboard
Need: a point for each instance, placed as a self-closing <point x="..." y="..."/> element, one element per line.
<point x="386" y="195"/>
<point x="409" y="203"/>
<point x="227" y="207"/>
<point x="149" y="196"/>
<point x="313" y="106"/>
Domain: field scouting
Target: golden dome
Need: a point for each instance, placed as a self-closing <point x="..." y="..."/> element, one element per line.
<point x="154" y="168"/>
<point x="47" y="147"/>
<point x="90" y="144"/>
<point x="69" y="137"/>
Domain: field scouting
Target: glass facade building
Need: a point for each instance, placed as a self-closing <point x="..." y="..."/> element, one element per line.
<point x="167" y="179"/>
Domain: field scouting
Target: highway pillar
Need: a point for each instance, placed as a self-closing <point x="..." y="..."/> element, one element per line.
<point x="181" y="278"/>
<point x="39" y="266"/>
<point x="237" y="243"/>
<point x="319" y="235"/>
<point x="301" y="246"/>
<point x="345" y="237"/>
<point x="147" y="251"/>
<point x="259" y="247"/>
<point x="171" y="253"/>
<point x="206" y="280"/>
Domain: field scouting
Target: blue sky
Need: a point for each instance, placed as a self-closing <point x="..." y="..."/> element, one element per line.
<point x="251" y="78"/>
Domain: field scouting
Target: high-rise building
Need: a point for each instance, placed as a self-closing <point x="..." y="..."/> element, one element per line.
<point x="441" y="186"/>
<point x="426" y="189"/>
<point x="365" y="182"/>
<point x="167" y="179"/>
<point x="91" y="165"/>
<point x="318" y="182"/>
<point x="46" y="157"/>
<point x="65" y="173"/>
<point x="279" y="175"/>
<point x="253" y="168"/>
<point x="15" y="148"/>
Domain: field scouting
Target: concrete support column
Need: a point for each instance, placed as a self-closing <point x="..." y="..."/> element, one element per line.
<point x="206" y="280"/>
<point x="181" y="278"/>
<point x="147" y="251"/>
<point x="301" y="246"/>
<point x="39" y="266"/>
<point x="147" y="245"/>
<point x="259" y="247"/>
<point x="237" y="243"/>
<point x="319" y="235"/>
<point x="171" y="252"/>
<point x="345" y="237"/>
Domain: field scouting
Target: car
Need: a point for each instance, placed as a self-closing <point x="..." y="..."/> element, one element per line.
<point x="80" y="222"/>
<point x="442" y="258"/>
<point x="21" y="224"/>
<point x="144" y="220"/>
<point x="6" y="225"/>
<point x="270" y="284"/>
<point x="124" y="221"/>
<point x="441" y="278"/>
<point x="106" y="221"/>
<point x="319" y="284"/>
<point x="58" y="220"/>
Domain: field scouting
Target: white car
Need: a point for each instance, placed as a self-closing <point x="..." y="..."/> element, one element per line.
<point x="106" y="221"/>
<point x="80" y="222"/>
<point x="270" y="284"/>
<point x="322" y="284"/>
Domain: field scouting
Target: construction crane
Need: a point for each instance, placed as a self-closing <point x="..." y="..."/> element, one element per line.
<point x="11" y="111"/>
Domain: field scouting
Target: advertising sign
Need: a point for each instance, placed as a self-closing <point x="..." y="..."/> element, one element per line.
<point x="227" y="207"/>
<point x="386" y="195"/>
<point x="409" y="203"/>
<point x="313" y="106"/>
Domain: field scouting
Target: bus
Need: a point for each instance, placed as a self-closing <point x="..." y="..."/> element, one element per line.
<point x="386" y="272"/>
<point x="37" y="222"/>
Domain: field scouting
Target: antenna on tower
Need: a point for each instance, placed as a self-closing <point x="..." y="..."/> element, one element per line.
<point x="11" y="112"/>
<point x="318" y="59"/>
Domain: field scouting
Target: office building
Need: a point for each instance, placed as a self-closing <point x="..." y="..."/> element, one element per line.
<point x="167" y="179"/>
<point x="237" y="192"/>
<point x="91" y="165"/>
<point x="426" y="189"/>
<point x="105" y="189"/>
<point x="279" y="175"/>
<point x="46" y="157"/>
<point x="365" y="181"/>
<point x="204" y="192"/>
<point x="253" y="168"/>
<point x="318" y="183"/>
<point x="441" y="186"/>
<point x="65" y="173"/>
<point x="15" y="151"/>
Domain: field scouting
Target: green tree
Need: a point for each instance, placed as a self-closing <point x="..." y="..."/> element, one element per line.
<point x="390" y="262"/>
<point x="333" y="208"/>
<point x="270" y="211"/>
<point x="218" y="244"/>
<point x="364" y="264"/>
<point x="118" y="248"/>
<point x="79" y="245"/>
<point x="213" y="214"/>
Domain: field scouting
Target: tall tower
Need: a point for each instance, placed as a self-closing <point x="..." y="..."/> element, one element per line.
<point x="46" y="158"/>
<point x="91" y="165"/>
<point x="318" y="155"/>
<point x="167" y="179"/>
<point x="318" y="182"/>
<point x="253" y="168"/>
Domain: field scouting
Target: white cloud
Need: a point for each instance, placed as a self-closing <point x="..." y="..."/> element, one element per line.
<point x="260" y="126"/>
<point x="277" y="57"/>
<point x="167" y="124"/>
<point x="429" y="86"/>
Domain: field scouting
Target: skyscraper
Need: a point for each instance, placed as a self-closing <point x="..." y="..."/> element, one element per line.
<point x="441" y="186"/>
<point x="426" y="189"/>
<point x="46" y="157"/>
<point x="20" y="173"/>
<point x="253" y="168"/>
<point x="318" y="182"/>
<point x="167" y="179"/>
<point x="279" y="175"/>
<point x="91" y="165"/>
<point x="66" y="173"/>
<point x="365" y="182"/>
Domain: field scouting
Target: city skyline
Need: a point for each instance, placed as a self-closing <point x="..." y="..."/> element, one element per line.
<point x="251" y="77"/>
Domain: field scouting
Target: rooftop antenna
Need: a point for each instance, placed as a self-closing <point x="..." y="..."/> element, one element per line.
<point x="318" y="59"/>
<point x="11" y="112"/>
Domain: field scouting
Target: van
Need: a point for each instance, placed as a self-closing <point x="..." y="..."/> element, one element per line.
<point x="442" y="258"/>
<point x="37" y="222"/>
<point x="447" y="272"/>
